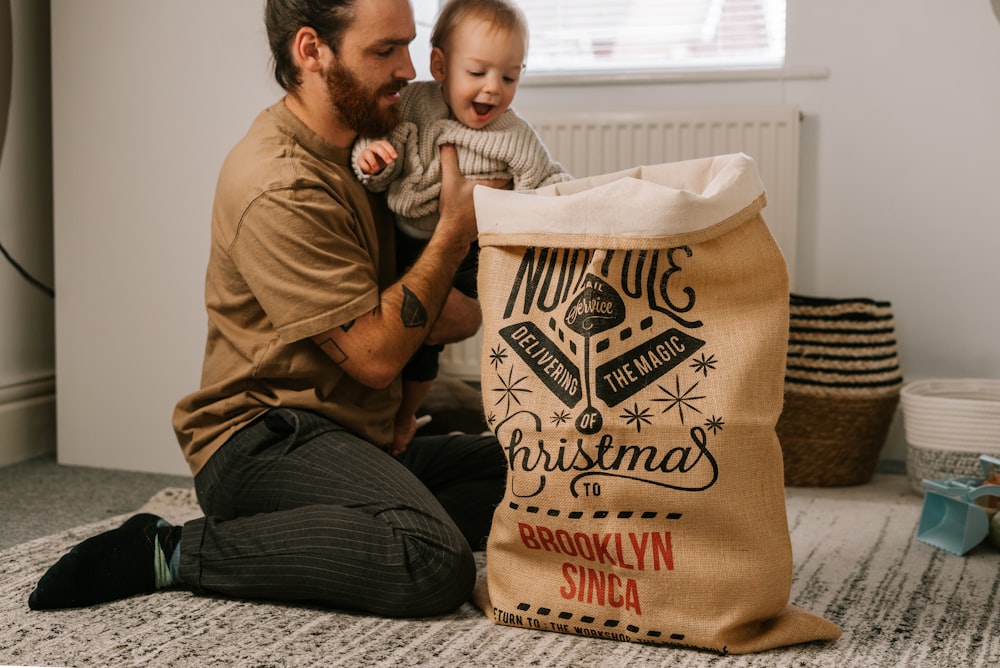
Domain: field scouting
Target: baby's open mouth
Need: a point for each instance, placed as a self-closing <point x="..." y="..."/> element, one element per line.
<point x="482" y="109"/>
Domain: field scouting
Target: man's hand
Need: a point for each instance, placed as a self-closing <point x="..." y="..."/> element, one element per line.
<point x="457" y="211"/>
<point x="460" y="318"/>
<point x="403" y="431"/>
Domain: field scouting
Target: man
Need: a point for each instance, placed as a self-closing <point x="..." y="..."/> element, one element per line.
<point x="308" y="332"/>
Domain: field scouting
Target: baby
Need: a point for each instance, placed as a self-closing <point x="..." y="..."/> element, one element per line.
<point x="478" y="53"/>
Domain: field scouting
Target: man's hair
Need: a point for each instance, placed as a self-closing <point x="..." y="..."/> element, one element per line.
<point x="503" y="14"/>
<point x="283" y="20"/>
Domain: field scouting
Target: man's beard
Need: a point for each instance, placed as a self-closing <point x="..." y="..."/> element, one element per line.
<point x="359" y="106"/>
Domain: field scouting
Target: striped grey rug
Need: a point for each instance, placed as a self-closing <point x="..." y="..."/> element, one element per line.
<point x="900" y="603"/>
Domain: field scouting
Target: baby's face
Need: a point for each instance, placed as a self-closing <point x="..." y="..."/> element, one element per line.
<point x="479" y="69"/>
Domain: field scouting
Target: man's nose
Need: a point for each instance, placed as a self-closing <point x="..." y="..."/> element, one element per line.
<point x="405" y="69"/>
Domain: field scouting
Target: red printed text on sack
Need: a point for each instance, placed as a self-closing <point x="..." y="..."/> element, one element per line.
<point x="639" y="551"/>
<point x="621" y="551"/>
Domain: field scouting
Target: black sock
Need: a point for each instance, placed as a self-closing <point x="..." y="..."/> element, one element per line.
<point x="133" y="559"/>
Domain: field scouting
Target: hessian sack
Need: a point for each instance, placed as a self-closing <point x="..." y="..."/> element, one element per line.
<point x="635" y="327"/>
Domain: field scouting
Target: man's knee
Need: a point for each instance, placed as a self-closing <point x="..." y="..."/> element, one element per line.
<point x="440" y="579"/>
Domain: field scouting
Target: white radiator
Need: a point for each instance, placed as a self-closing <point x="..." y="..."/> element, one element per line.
<point x="588" y="144"/>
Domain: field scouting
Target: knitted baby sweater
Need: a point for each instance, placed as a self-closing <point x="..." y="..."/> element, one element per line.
<point x="507" y="148"/>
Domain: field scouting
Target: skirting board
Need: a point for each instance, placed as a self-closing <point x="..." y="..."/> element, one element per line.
<point x="27" y="423"/>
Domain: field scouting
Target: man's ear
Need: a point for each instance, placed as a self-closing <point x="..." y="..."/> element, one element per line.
<point x="437" y="64"/>
<point x="307" y="50"/>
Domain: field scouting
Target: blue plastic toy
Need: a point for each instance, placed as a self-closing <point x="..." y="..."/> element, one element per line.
<point x="951" y="518"/>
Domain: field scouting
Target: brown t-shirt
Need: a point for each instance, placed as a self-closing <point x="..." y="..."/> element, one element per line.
<point x="298" y="247"/>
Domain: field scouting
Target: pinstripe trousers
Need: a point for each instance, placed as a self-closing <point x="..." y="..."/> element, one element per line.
<point x="298" y="509"/>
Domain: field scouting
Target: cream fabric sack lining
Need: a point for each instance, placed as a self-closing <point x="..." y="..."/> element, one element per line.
<point x="594" y="207"/>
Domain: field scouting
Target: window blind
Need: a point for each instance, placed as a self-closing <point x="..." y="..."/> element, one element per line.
<point x="578" y="36"/>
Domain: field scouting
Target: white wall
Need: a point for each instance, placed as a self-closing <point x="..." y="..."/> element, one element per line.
<point x="899" y="151"/>
<point x="903" y="193"/>
<point x="27" y="337"/>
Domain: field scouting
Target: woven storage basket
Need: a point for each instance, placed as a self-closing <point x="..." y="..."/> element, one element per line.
<point x="842" y="383"/>
<point x="948" y="424"/>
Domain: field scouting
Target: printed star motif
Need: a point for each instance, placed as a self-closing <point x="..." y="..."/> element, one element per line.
<point x="637" y="417"/>
<point x="490" y="419"/>
<point x="497" y="356"/>
<point x="704" y="364"/>
<point x="509" y="389"/>
<point x="559" y="418"/>
<point x="714" y="424"/>
<point x="679" y="399"/>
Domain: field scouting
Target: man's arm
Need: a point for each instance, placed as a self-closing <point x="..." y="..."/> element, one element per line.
<point x="374" y="348"/>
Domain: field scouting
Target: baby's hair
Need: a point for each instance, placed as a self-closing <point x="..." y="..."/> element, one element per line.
<point x="502" y="14"/>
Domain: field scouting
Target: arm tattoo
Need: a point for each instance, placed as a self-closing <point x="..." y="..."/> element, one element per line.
<point x="412" y="312"/>
<point x="346" y="327"/>
<point x="335" y="352"/>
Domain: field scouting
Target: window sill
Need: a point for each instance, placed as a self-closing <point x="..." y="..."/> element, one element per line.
<point x="674" y="76"/>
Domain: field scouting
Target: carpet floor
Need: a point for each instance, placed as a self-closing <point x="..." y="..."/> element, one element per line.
<point x="857" y="563"/>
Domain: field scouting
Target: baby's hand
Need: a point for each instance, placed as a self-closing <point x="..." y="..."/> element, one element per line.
<point x="376" y="156"/>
